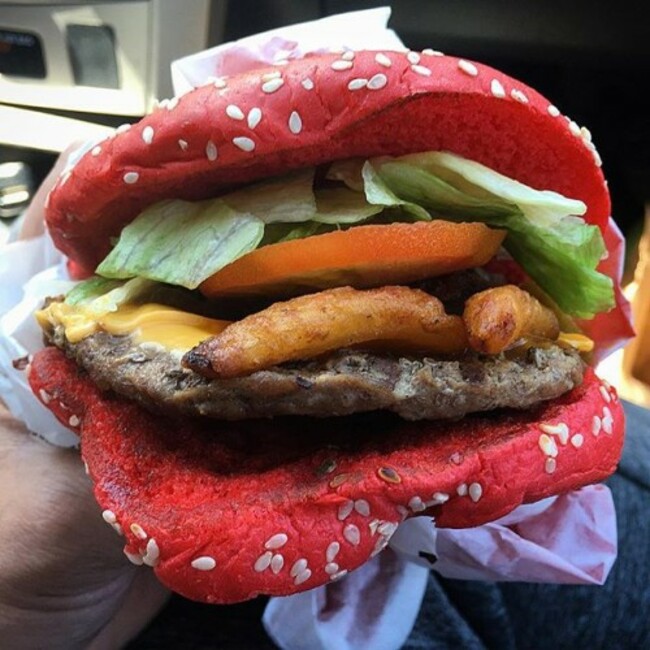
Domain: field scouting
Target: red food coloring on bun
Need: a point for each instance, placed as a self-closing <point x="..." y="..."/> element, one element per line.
<point x="316" y="110"/>
<point x="224" y="511"/>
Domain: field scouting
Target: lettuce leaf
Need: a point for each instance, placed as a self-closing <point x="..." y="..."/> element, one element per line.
<point x="554" y="246"/>
<point x="101" y="296"/>
<point x="182" y="243"/>
<point x="287" y="199"/>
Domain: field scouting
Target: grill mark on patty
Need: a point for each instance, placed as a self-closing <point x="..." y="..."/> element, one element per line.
<point x="342" y="383"/>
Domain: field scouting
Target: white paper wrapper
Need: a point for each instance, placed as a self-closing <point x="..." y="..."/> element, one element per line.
<point x="569" y="539"/>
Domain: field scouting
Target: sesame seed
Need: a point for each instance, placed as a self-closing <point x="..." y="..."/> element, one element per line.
<point x="348" y="55"/>
<point x="377" y="81"/>
<point x="73" y="421"/>
<point x="596" y="424"/>
<point x="331" y="568"/>
<point x="380" y="545"/>
<point x="389" y="475"/>
<point x="561" y="430"/>
<point x="109" y="517"/>
<point x="439" y="498"/>
<point x="338" y="480"/>
<point x="550" y="465"/>
<point x="457" y="458"/>
<point x="607" y="414"/>
<point x="597" y="159"/>
<point x="254" y="117"/>
<point x="402" y="511"/>
<point x="387" y="528"/>
<point x="263" y="562"/>
<point x="468" y="68"/>
<point x="326" y="467"/>
<point x="220" y="83"/>
<point x="497" y="89"/>
<point x="211" y="151"/>
<point x="96" y="151"/>
<point x="475" y="492"/>
<point x="295" y="122"/>
<point x="553" y="111"/>
<point x="276" y="541"/>
<point x="577" y="440"/>
<point x="421" y="70"/>
<point x="373" y="525"/>
<point x="138" y="531"/>
<point x="382" y="59"/>
<point x="585" y="133"/>
<point x="547" y="445"/>
<point x="274" y="74"/>
<point x="341" y="64"/>
<point x="203" y="563"/>
<point x="339" y="575"/>
<point x="147" y="134"/>
<point x="307" y="84"/>
<point x="352" y="534"/>
<point x="162" y="103"/>
<point x="234" y="112"/>
<point x="332" y="551"/>
<point x="429" y="52"/>
<point x="131" y="177"/>
<point x="64" y="178"/>
<point x="152" y="554"/>
<point x="416" y="504"/>
<point x="122" y="128"/>
<point x="345" y="509"/>
<point x="134" y="558"/>
<point x="607" y="425"/>
<point x="277" y="562"/>
<point x="183" y="144"/>
<point x="362" y="507"/>
<point x="117" y="528"/>
<point x="272" y="85"/>
<point x="86" y="468"/>
<point x="302" y="577"/>
<point x="574" y="128"/>
<point x="413" y="57"/>
<point x="605" y="394"/>
<point x="244" y="143"/>
<point x="519" y="96"/>
<point x="45" y="397"/>
<point x="299" y="566"/>
<point x="461" y="490"/>
<point x="357" y="84"/>
<point x="172" y="104"/>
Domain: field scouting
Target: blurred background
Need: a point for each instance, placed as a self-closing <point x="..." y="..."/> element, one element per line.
<point x="74" y="69"/>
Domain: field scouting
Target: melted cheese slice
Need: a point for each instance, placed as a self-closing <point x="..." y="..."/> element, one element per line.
<point x="171" y="328"/>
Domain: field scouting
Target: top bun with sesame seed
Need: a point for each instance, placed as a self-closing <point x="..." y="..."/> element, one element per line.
<point x="227" y="508"/>
<point x="313" y="111"/>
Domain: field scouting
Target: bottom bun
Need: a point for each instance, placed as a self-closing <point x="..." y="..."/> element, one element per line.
<point x="226" y="511"/>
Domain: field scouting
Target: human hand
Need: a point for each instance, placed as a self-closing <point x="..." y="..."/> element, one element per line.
<point x="64" y="580"/>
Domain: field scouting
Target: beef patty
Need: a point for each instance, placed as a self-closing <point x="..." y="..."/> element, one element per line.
<point x="345" y="382"/>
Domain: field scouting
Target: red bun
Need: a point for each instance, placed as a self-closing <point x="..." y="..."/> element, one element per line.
<point x="309" y="113"/>
<point x="224" y="512"/>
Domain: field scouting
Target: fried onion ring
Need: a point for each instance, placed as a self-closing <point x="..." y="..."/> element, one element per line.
<point x="308" y="326"/>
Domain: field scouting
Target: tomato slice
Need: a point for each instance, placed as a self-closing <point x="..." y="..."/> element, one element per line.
<point x="361" y="257"/>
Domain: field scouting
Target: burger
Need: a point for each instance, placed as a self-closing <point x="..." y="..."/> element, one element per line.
<point x="322" y="297"/>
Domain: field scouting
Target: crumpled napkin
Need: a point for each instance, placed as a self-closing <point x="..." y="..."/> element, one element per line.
<point x="565" y="539"/>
